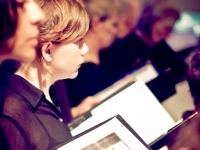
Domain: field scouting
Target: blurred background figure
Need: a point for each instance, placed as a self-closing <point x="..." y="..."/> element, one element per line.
<point x="104" y="16"/>
<point x="129" y="19"/>
<point x="17" y="20"/>
<point x="146" y="44"/>
<point x="187" y="136"/>
<point x="29" y="118"/>
<point x="155" y="24"/>
<point x="194" y="77"/>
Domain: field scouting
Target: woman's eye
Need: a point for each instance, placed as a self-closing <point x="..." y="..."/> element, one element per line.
<point x="77" y="42"/>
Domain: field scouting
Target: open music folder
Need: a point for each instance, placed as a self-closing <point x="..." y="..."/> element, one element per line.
<point x="136" y="104"/>
<point x="183" y="135"/>
<point x="112" y="134"/>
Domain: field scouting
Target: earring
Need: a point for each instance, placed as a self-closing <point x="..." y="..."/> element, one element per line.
<point x="48" y="65"/>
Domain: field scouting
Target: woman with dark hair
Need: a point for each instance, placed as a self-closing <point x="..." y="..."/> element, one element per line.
<point x="29" y="118"/>
<point x="156" y="24"/>
<point x="18" y="18"/>
<point x="188" y="136"/>
<point x="194" y="76"/>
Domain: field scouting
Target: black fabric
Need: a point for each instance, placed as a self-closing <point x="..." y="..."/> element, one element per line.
<point x="60" y="98"/>
<point x="163" y="86"/>
<point x="122" y="56"/>
<point x="132" y="52"/>
<point x="9" y="65"/>
<point x="90" y="80"/>
<point x="163" y="57"/>
<point x="27" y="119"/>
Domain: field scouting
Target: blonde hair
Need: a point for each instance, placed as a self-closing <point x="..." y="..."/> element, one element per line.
<point x="65" y="20"/>
<point x="104" y="8"/>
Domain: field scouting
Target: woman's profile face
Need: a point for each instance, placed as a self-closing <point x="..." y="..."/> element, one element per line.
<point x="24" y="41"/>
<point x="128" y="21"/>
<point x="67" y="58"/>
<point x="162" y="29"/>
<point x="107" y="31"/>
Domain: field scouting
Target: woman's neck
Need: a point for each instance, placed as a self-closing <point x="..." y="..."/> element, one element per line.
<point x="39" y="77"/>
<point x="94" y="47"/>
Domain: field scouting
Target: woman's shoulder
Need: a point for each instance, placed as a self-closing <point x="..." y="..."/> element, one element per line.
<point x="17" y="115"/>
<point x="12" y="104"/>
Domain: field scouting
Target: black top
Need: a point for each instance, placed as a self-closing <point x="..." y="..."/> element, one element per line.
<point x="130" y="53"/>
<point x="27" y="119"/>
<point x="60" y="98"/>
<point x="90" y="80"/>
<point x="121" y="57"/>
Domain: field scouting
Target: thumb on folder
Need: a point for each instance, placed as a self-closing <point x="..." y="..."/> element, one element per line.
<point x="84" y="106"/>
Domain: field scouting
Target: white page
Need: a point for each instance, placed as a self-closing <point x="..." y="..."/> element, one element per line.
<point x="181" y="41"/>
<point x="139" y="107"/>
<point x="127" y="139"/>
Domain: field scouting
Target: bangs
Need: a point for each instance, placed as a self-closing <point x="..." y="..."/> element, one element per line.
<point x="78" y="23"/>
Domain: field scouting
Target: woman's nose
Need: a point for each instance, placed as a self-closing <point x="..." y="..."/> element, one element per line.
<point x="84" y="49"/>
<point x="35" y="13"/>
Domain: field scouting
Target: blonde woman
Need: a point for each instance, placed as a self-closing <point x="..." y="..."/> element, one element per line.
<point x="29" y="118"/>
<point x="104" y="16"/>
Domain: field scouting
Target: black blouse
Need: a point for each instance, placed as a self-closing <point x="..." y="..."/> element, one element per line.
<point x="27" y="120"/>
<point x="91" y="79"/>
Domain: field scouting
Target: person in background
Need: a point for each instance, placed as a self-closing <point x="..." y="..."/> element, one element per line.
<point x="118" y="58"/>
<point x="156" y="23"/>
<point x="29" y="118"/>
<point x="188" y="136"/>
<point x="146" y="44"/>
<point x="193" y="76"/>
<point x="17" y="20"/>
<point x="104" y="16"/>
<point x="129" y="19"/>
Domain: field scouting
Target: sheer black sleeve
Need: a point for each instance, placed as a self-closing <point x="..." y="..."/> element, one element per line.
<point x="10" y="136"/>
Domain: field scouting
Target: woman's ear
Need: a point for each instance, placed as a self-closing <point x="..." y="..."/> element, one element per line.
<point x="46" y="51"/>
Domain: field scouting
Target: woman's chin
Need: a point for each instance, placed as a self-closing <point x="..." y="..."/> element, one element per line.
<point x="27" y="56"/>
<point x="74" y="75"/>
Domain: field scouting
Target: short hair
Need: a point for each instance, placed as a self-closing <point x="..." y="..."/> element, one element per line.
<point x="154" y="13"/>
<point x="65" y="21"/>
<point x="104" y="9"/>
<point x="9" y="19"/>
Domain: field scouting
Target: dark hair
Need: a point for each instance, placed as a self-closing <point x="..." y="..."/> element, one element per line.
<point x="8" y="17"/>
<point x="152" y="14"/>
<point x="194" y="75"/>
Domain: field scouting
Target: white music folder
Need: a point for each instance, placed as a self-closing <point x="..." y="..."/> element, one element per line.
<point x="112" y="134"/>
<point x="137" y="105"/>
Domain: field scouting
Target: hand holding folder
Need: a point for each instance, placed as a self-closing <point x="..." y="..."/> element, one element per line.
<point x="114" y="133"/>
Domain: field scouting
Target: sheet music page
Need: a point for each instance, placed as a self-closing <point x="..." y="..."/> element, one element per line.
<point x="112" y="135"/>
<point x="139" y="107"/>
